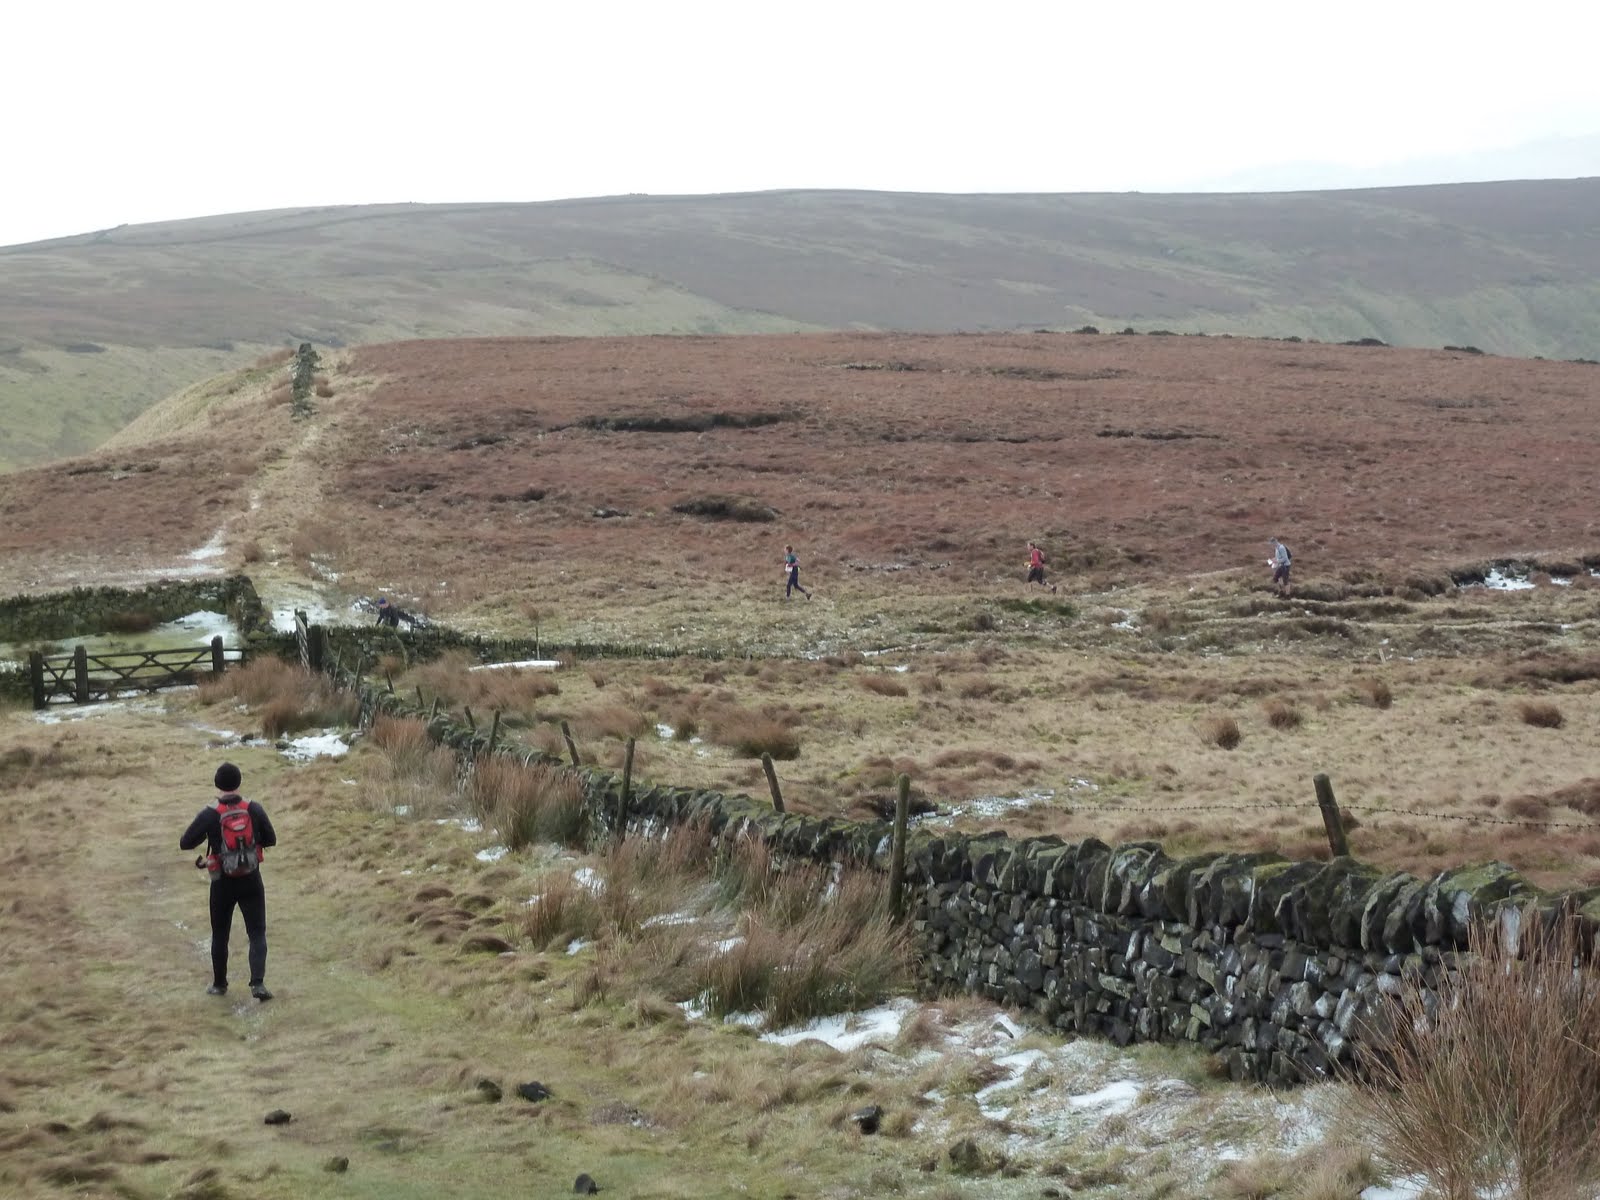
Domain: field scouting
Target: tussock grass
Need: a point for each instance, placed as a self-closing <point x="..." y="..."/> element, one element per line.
<point x="284" y="695"/>
<point x="751" y="734"/>
<point x="1282" y="714"/>
<point x="619" y="721"/>
<point x="452" y="680"/>
<point x="1375" y="692"/>
<point x="1221" y="732"/>
<point x="884" y="685"/>
<point x="1494" y="1087"/>
<point x="527" y="803"/>
<point x="807" y="953"/>
<point x="411" y="772"/>
<point x="1541" y="714"/>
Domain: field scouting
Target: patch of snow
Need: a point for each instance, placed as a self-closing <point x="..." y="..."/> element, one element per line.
<point x="492" y="854"/>
<point x="527" y="664"/>
<point x="677" y="918"/>
<point x="316" y="614"/>
<point x="319" y="745"/>
<point x="590" y="878"/>
<point x="401" y="810"/>
<point x="1398" y="1189"/>
<point x="578" y="945"/>
<point x="55" y="714"/>
<point x="727" y="944"/>
<point x="846" y="1032"/>
<point x="212" y="549"/>
<point x="1498" y="581"/>
<point x="465" y="824"/>
<point x="1116" y="1097"/>
<point x="1015" y="1066"/>
<point x="664" y="731"/>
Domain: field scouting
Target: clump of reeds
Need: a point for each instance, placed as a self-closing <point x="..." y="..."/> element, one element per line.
<point x="284" y="695"/>
<point x="750" y="734"/>
<point x="1541" y="714"/>
<point x="1492" y="1086"/>
<point x="1282" y="714"/>
<point x="527" y="803"/>
<point x="1220" y="731"/>
<point x="411" y="773"/>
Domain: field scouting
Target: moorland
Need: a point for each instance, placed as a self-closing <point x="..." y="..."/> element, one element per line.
<point x="96" y="328"/>
<point x="641" y="491"/>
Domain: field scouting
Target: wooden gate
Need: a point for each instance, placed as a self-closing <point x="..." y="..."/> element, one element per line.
<point x="84" y="678"/>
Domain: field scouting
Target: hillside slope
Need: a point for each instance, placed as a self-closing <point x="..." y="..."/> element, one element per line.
<point x="98" y="327"/>
<point x="641" y="485"/>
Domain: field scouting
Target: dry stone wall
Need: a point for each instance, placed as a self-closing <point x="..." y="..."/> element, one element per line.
<point x="1279" y="967"/>
<point x="53" y="616"/>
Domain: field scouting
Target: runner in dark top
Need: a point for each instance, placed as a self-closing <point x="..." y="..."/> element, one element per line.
<point x="244" y="892"/>
<point x="791" y="570"/>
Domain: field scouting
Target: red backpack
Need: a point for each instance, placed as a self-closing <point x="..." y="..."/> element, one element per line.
<point x="240" y="855"/>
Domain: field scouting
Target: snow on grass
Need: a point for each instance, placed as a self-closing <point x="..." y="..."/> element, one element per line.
<point x="526" y="664"/>
<point x="664" y="731"/>
<point x="134" y="702"/>
<point x="589" y="878"/>
<point x="1499" y="581"/>
<point x="990" y="807"/>
<point x="465" y="824"/>
<point x="1399" y="1189"/>
<point x="846" y="1032"/>
<point x="316" y="745"/>
<point x="492" y="854"/>
<point x="1116" y="1097"/>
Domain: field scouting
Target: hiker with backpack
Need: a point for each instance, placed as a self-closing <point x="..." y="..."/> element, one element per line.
<point x="236" y="832"/>
<point x="1279" y="562"/>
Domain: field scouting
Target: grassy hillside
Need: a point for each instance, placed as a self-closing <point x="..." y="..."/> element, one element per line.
<point x="96" y="328"/>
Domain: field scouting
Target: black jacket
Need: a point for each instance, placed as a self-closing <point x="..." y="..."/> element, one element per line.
<point x="207" y="827"/>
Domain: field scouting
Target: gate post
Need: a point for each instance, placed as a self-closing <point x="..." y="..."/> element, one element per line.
<point x="218" y="663"/>
<point x="36" y="677"/>
<point x="80" y="675"/>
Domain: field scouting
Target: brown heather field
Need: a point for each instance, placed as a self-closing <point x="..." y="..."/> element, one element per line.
<point x="909" y="471"/>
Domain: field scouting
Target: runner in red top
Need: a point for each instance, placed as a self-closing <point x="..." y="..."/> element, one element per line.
<point x="1036" y="567"/>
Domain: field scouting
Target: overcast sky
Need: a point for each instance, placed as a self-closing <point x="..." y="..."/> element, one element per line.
<point x="131" y="112"/>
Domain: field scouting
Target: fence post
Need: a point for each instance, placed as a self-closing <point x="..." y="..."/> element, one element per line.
<point x="494" y="732"/>
<point x="471" y="724"/>
<point x="218" y="663"/>
<point x="772" y="782"/>
<point x="421" y="703"/>
<point x="627" y="790"/>
<point x="36" y="677"/>
<point x="897" y="848"/>
<point x="1330" y="816"/>
<point x="317" y="647"/>
<point x="434" y="711"/>
<point x="80" y="675"/>
<point x="572" y="747"/>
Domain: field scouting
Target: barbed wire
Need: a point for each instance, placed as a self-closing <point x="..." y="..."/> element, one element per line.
<point x="1367" y="813"/>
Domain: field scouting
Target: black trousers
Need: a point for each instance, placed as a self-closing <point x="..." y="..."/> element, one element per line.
<point x="250" y="896"/>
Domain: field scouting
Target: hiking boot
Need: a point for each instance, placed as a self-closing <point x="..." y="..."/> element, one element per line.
<point x="259" y="991"/>
<point x="217" y="989"/>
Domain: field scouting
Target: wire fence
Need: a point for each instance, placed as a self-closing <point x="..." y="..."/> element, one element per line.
<point x="1366" y="812"/>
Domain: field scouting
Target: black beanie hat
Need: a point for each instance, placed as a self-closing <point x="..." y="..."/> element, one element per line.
<point x="227" y="778"/>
